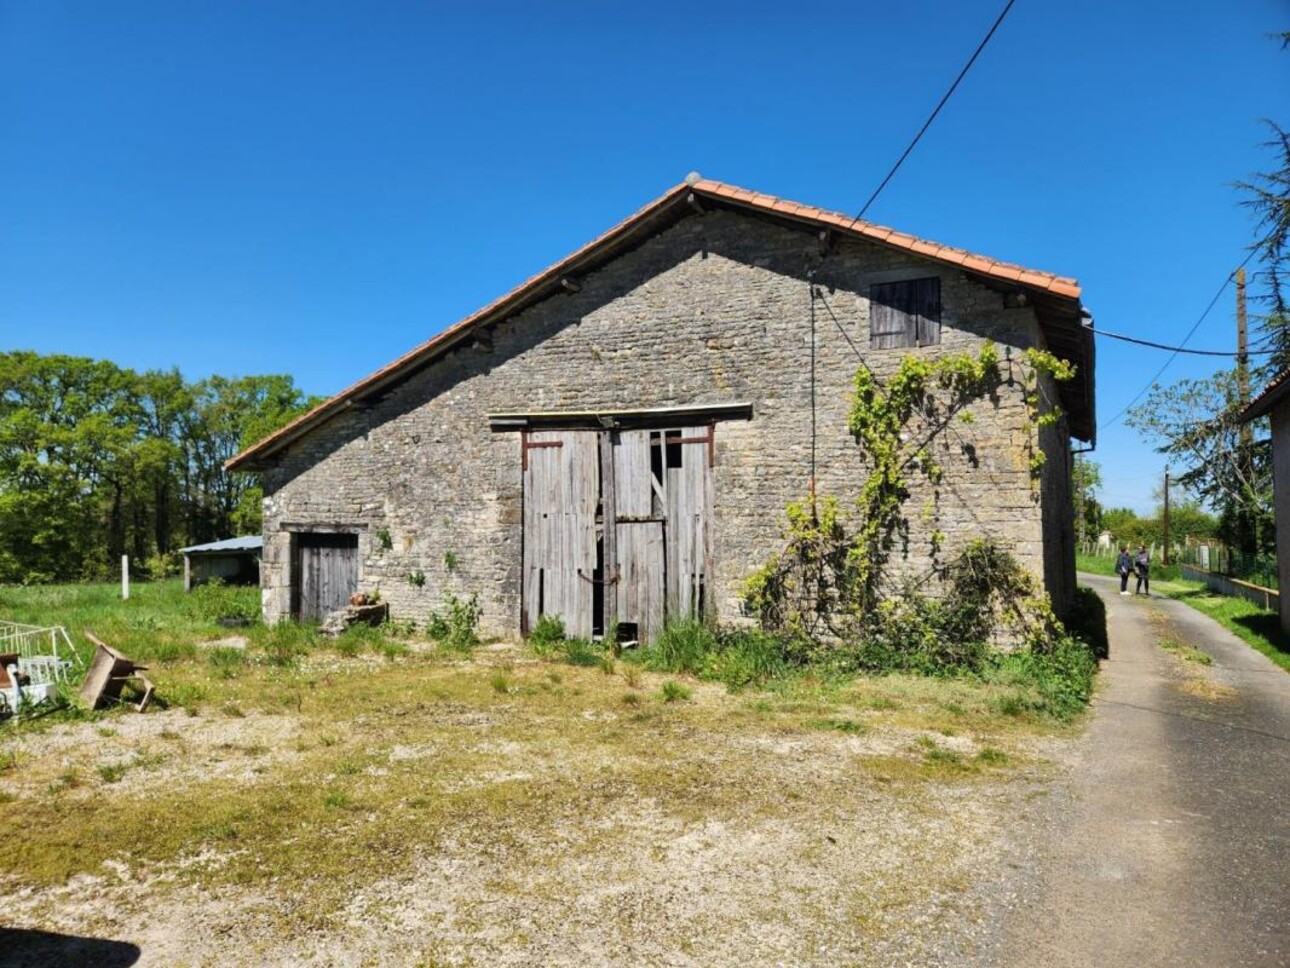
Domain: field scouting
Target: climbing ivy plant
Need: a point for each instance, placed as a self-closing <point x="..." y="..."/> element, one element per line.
<point x="830" y="573"/>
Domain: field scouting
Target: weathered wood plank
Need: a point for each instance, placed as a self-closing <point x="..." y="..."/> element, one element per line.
<point x="609" y="529"/>
<point x="633" y="481"/>
<point x="641" y="572"/>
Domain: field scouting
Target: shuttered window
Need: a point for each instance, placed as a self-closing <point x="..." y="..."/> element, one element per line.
<point x="905" y="313"/>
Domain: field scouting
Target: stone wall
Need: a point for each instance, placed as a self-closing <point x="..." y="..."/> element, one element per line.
<point x="714" y="310"/>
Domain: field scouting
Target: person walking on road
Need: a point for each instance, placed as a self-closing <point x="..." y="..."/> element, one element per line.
<point x="1124" y="565"/>
<point x="1142" y="565"/>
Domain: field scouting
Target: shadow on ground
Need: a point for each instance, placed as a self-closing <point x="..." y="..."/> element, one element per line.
<point x="39" y="949"/>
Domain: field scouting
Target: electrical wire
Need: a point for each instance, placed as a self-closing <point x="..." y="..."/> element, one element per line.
<point x="1177" y="349"/>
<point x="932" y="117"/>
<point x="1172" y="356"/>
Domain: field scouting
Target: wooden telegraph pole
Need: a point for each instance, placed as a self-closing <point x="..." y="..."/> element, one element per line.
<point x="1245" y="439"/>
<point x="1164" y="555"/>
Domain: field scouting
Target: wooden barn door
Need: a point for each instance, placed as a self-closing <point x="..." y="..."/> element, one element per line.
<point x="617" y="528"/>
<point x="326" y="573"/>
<point x="640" y="579"/>
<point x="687" y="476"/>
<point x="561" y="497"/>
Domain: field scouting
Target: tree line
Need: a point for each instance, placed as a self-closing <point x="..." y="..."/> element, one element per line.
<point x="98" y="460"/>
<point x="1188" y="518"/>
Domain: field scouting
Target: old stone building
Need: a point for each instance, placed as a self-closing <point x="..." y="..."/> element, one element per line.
<point x="617" y="438"/>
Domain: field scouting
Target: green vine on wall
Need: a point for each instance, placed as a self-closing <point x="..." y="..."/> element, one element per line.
<point x="830" y="573"/>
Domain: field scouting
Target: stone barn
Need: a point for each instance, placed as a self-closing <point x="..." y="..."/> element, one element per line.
<point x="617" y="438"/>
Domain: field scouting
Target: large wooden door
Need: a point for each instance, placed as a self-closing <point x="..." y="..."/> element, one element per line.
<point x="561" y="497"/>
<point x="617" y="528"/>
<point x="326" y="573"/>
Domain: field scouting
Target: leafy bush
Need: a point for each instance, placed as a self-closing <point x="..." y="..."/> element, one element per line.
<point x="162" y="566"/>
<point x="915" y="634"/>
<point x="547" y="634"/>
<point x="1056" y="682"/>
<point x="455" y="628"/>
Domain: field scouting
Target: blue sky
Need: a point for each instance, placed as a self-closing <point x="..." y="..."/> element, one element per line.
<point x="314" y="188"/>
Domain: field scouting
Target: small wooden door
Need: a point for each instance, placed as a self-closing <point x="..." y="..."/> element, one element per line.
<point x="326" y="573"/>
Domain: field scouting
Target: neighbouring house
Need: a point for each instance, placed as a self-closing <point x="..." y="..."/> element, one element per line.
<point x="234" y="561"/>
<point x="616" y="439"/>
<point x="1274" y="403"/>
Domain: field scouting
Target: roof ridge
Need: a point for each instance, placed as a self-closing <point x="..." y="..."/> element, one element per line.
<point x="709" y="188"/>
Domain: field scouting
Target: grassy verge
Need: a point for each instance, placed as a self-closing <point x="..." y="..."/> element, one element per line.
<point x="1258" y="627"/>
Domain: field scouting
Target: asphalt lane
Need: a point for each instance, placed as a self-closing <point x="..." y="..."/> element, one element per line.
<point x="1172" y="845"/>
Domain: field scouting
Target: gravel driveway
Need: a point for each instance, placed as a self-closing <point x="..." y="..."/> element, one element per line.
<point x="1169" y="841"/>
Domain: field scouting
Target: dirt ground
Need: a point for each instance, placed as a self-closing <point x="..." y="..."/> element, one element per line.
<point x="509" y="810"/>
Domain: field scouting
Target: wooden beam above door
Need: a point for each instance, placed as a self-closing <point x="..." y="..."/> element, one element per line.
<point x="609" y="419"/>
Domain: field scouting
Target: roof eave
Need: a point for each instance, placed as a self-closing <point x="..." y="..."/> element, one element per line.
<point x="548" y="282"/>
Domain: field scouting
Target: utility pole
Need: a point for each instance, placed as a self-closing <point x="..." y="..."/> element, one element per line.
<point x="1245" y="434"/>
<point x="1242" y="349"/>
<point x="1164" y="555"/>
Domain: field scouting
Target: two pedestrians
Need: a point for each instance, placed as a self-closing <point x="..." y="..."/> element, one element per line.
<point x="1139" y="565"/>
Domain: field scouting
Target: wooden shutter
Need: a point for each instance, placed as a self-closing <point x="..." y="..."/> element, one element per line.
<point x="905" y="313"/>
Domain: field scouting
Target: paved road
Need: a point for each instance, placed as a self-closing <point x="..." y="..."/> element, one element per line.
<point x="1172" y="846"/>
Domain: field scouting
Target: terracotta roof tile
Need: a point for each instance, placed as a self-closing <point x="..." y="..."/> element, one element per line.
<point x="534" y="287"/>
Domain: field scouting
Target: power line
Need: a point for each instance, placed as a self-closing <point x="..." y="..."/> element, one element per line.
<point x="1172" y="356"/>
<point x="1176" y="349"/>
<point x="932" y="117"/>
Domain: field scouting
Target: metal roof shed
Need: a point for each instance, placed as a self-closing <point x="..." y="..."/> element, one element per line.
<point x="235" y="561"/>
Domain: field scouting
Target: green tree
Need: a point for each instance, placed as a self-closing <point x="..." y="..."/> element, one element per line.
<point x="1194" y="422"/>
<point x="1268" y="197"/>
<point x="1086" y="479"/>
<point x="97" y="461"/>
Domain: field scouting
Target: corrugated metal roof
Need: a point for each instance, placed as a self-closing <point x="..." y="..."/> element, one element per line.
<point x="250" y="542"/>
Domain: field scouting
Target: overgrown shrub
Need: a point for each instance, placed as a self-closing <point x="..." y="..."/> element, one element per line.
<point x="1056" y="682"/>
<point x="456" y="626"/>
<point x="214" y="600"/>
<point x="736" y="656"/>
<point x="915" y="634"/>
<point x="547" y="634"/>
